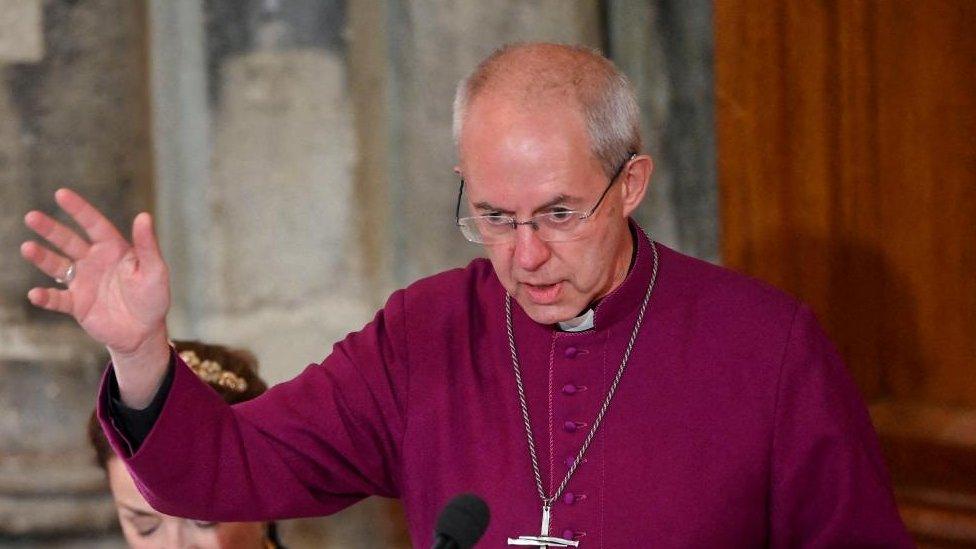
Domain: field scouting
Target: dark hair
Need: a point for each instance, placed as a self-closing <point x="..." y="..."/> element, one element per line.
<point x="236" y="361"/>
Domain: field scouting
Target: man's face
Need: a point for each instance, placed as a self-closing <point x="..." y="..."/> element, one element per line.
<point x="524" y="162"/>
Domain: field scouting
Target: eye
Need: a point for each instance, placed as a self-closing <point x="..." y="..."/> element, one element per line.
<point x="497" y="219"/>
<point x="145" y="526"/>
<point x="561" y="215"/>
<point x="204" y="525"/>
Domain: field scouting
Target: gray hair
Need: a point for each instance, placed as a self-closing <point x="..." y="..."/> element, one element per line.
<point x="605" y="96"/>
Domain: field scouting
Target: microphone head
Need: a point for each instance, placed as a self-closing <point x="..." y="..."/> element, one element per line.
<point x="464" y="519"/>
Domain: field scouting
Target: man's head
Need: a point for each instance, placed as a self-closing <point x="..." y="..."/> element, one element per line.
<point x="542" y="128"/>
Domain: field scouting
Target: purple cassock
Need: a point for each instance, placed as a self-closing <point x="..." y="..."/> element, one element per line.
<point x="734" y="425"/>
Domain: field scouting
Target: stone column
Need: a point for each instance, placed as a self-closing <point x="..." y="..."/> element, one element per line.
<point x="257" y="156"/>
<point x="267" y="237"/>
<point x="73" y="112"/>
<point x="665" y="48"/>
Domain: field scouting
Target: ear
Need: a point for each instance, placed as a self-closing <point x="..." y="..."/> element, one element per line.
<point x="634" y="182"/>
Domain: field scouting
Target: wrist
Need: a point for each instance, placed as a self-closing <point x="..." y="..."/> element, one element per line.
<point x="140" y="372"/>
<point x="147" y="346"/>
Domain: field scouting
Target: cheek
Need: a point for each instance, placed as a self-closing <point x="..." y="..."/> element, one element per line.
<point x="580" y="259"/>
<point x="501" y="259"/>
<point x="207" y="538"/>
<point x="233" y="535"/>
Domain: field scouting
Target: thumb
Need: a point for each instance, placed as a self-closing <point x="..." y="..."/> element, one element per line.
<point x="144" y="242"/>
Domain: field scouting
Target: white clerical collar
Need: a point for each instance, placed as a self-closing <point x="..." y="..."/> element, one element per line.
<point x="581" y="323"/>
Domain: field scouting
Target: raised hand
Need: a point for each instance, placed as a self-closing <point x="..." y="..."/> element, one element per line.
<point x="119" y="292"/>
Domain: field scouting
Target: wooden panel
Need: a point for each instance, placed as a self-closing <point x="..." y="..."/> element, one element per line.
<point x="847" y="175"/>
<point x="925" y="66"/>
<point x="930" y="453"/>
<point x="782" y="142"/>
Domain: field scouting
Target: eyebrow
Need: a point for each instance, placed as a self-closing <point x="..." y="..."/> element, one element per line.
<point x="557" y="200"/>
<point x="138" y="512"/>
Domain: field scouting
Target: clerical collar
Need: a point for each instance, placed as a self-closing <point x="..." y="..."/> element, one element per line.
<point x="579" y="324"/>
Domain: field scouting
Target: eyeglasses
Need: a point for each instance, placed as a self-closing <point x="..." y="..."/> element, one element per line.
<point x="557" y="226"/>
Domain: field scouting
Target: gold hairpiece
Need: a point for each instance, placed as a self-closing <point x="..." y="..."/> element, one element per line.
<point x="212" y="372"/>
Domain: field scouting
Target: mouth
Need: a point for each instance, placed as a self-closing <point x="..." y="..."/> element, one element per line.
<point x="543" y="294"/>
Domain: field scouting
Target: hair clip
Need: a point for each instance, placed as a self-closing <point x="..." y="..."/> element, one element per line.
<point x="212" y="372"/>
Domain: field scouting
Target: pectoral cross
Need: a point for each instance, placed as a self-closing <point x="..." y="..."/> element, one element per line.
<point x="543" y="539"/>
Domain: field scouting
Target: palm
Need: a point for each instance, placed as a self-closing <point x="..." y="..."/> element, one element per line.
<point x="113" y="302"/>
<point x="120" y="292"/>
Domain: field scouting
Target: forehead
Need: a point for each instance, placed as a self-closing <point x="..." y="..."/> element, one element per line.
<point x="123" y="487"/>
<point x="509" y="144"/>
<point x="498" y="123"/>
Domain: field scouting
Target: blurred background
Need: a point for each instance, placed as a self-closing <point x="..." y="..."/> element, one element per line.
<point x="297" y="156"/>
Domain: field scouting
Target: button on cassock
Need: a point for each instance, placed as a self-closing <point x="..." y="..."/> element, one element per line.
<point x="569" y="534"/>
<point x="570" y="459"/>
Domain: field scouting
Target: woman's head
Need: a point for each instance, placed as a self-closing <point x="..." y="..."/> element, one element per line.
<point x="232" y="373"/>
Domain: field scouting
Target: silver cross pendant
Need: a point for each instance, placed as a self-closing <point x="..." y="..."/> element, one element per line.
<point x="543" y="539"/>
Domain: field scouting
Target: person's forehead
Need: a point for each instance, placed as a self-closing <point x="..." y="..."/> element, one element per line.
<point x="499" y="130"/>
<point x="519" y="156"/>
<point x="525" y="103"/>
<point x="529" y="190"/>
<point x="123" y="487"/>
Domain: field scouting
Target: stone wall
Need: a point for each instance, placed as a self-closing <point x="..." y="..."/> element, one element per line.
<point x="665" y="47"/>
<point x="73" y="111"/>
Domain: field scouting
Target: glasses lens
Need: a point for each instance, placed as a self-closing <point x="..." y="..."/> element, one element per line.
<point x="470" y="231"/>
<point x="551" y="227"/>
<point x="558" y="226"/>
<point x="487" y="229"/>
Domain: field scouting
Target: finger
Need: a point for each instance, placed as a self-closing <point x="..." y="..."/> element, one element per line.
<point x="51" y="299"/>
<point x="68" y="241"/>
<point x="144" y="241"/>
<point x="98" y="227"/>
<point x="50" y="263"/>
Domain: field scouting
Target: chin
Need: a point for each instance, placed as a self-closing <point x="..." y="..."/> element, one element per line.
<point x="547" y="314"/>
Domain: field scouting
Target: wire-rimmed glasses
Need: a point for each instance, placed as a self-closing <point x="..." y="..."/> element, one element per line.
<point x="556" y="226"/>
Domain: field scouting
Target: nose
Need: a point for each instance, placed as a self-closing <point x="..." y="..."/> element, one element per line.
<point x="531" y="252"/>
<point x="181" y="535"/>
<point x="175" y="536"/>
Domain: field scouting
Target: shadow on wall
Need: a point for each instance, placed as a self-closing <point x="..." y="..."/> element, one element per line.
<point x="864" y="303"/>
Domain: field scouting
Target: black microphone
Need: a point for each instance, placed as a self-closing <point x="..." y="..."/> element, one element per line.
<point x="462" y="523"/>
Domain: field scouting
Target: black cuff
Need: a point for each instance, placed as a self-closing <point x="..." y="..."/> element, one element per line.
<point x="135" y="425"/>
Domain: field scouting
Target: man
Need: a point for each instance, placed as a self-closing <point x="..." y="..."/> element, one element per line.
<point x="595" y="388"/>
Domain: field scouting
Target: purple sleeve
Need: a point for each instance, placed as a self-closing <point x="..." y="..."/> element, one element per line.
<point x="830" y="487"/>
<point x="307" y="447"/>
